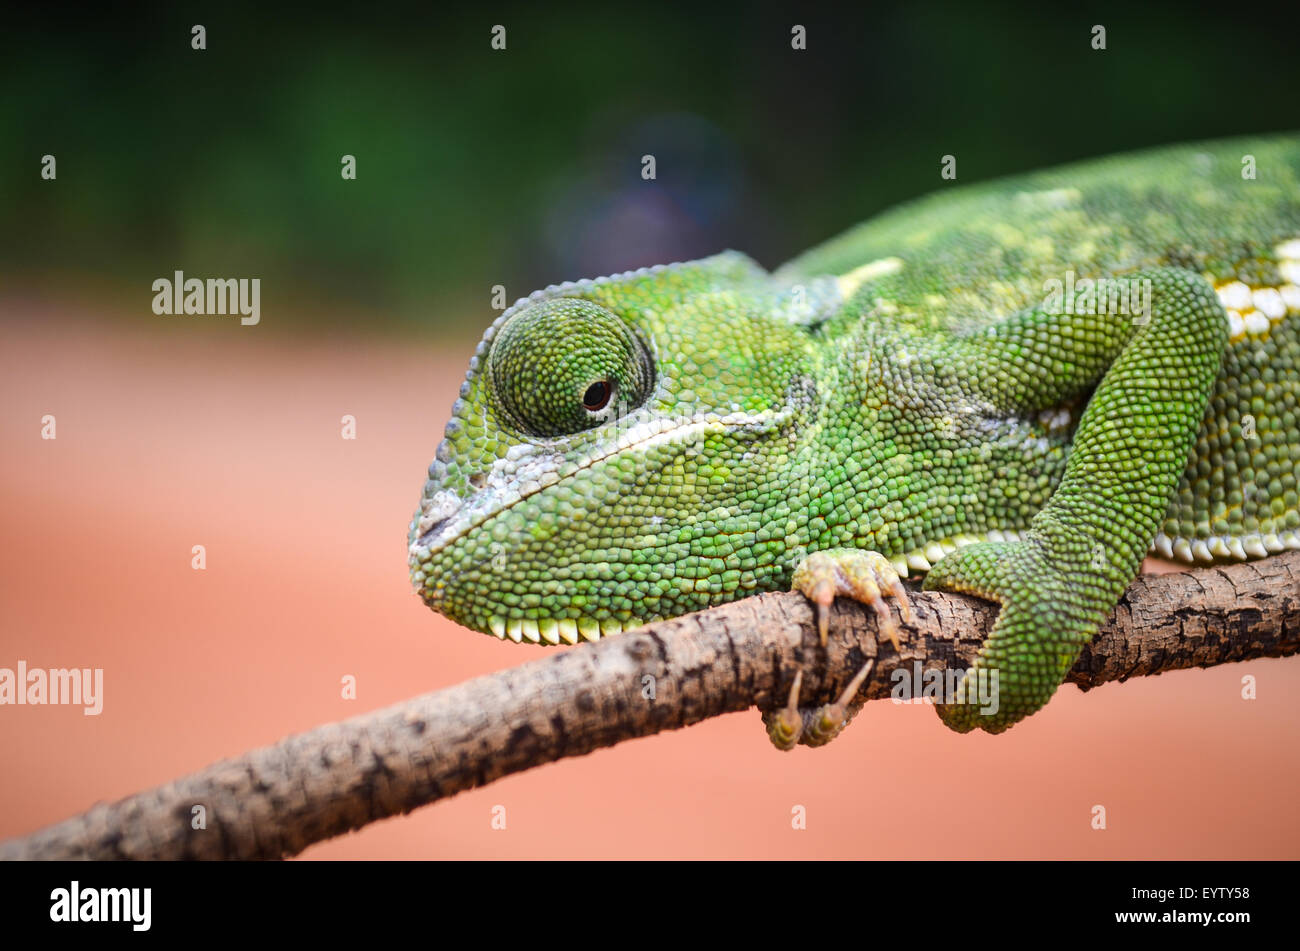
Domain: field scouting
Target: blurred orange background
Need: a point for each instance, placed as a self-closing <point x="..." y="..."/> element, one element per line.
<point x="175" y="432"/>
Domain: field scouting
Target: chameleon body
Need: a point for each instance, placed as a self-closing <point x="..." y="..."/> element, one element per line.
<point x="1020" y="387"/>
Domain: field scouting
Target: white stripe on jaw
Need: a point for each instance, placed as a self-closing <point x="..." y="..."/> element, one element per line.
<point x="526" y="468"/>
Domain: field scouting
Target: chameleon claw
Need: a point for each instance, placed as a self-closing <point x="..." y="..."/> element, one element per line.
<point x="792" y="725"/>
<point x="885" y="621"/>
<point x="822" y="608"/>
<point x="904" y="602"/>
<point x="865" y="576"/>
<point x="828" y="721"/>
<point x="854" y="685"/>
<point x="784" y="726"/>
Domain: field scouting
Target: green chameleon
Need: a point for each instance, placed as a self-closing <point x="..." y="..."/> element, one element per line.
<point x="1020" y="387"/>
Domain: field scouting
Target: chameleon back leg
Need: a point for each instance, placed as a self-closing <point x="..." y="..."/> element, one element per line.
<point x="1058" y="582"/>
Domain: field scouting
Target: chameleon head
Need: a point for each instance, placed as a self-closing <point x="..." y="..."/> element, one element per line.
<point x="608" y="460"/>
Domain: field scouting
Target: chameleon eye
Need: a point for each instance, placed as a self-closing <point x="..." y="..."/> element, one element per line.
<point x="555" y="368"/>
<point x="597" y="396"/>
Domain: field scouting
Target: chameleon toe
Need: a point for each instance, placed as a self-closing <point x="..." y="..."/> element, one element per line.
<point x="785" y="724"/>
<point x="794" y="724"/>
<point x="865" y="576"/>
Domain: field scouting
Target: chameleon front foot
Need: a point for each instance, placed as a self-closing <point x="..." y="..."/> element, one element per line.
<point x="865" y="576"/>
<point x="793" y="724"/>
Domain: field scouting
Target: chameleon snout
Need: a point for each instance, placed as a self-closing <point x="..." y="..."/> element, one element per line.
<point x="437" y="512"/>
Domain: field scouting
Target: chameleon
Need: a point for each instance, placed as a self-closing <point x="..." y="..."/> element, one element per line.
<point x="1018" y="389"/>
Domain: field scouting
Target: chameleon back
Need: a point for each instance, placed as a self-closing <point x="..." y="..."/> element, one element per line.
<point x="1229" y="210"/>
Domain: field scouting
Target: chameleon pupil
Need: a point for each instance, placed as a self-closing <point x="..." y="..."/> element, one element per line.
<point x="597" y="396"/>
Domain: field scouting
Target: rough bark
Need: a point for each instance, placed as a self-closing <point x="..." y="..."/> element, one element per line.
<point x="275" y="801"/>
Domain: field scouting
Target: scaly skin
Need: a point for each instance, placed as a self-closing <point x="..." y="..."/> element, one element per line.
<point x="918" y="387"/>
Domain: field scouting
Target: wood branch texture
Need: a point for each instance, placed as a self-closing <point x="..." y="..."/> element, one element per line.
<point x="275" y="801"/>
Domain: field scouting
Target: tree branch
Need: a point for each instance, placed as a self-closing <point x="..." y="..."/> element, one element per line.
<point x="275" y="801"/>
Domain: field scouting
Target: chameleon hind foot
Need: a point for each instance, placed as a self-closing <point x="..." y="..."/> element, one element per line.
<point x="865" y="576"/>
<point x="793" y="724"/>
<point x="1045" y="620"/>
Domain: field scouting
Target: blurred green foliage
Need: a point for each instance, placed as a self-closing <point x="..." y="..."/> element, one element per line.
<point x="523" y="167"/>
